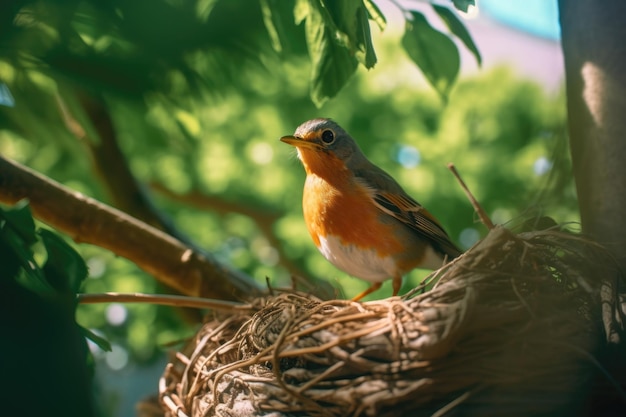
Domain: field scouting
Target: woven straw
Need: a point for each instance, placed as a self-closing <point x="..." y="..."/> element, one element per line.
<point x="506" y="329"/>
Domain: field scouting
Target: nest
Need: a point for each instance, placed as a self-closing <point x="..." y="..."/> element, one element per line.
<point x="508" y="328"/>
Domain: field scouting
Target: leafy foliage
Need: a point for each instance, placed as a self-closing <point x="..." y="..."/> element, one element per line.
<point x="338" y="39"/>
<point x="40" y="276"/>
<point x="133" y="49"/>
<point x="57" y="278"/>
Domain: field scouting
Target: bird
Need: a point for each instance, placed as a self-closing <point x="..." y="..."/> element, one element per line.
<point x="358" y="216"/>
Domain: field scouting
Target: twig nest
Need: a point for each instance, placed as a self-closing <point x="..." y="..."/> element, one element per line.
<point x="508" y="328"/>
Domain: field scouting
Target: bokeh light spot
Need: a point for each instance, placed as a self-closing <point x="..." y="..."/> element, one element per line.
<point x="268" y="255"/>
<point x="261" y="153"/>
<point x="117" y="359"/>
<point x="408" y="156"/>
<point x="468" y="237"/>
<point x="501" y="216"/>
<point x="116" y="314"/>
<point x="542" y="165"/>
<point x="97" y="267"/>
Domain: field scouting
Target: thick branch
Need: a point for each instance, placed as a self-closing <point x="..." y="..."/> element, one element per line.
<point x="87" y="220"/>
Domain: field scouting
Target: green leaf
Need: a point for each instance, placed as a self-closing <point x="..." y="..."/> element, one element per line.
<point x="276" y="13"/>
<point x="17" y="235"/>
<point x="375" y="14"/>
<point x="433" y="52"/>
<point x="32" y="277"/>
<point x="65" y="269"/>
<point x="463" y="5"/>
<point x="348" y="19"/>
<point x="365" y="53"/>
<point x="20" y="219"/>
<point x="100" y="341"/>
<point x="204" y="9"/>
<point x="301" y="11"/>
<point x="332" y="62"/>
<point x="457" y="27"/>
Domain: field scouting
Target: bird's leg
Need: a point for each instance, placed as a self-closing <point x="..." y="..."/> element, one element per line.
<point x="396" y="284"/>
<point x="375" y="286"/>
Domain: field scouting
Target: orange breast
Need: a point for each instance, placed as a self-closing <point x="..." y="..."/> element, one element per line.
<point x="343" y="208"/>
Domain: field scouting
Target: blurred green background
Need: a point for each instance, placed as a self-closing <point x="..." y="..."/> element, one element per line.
<point x="196" y="112"/>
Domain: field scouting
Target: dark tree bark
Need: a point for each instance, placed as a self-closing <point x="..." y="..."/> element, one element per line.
<point x="595" y="65"/>
<point x="593" y="34"/>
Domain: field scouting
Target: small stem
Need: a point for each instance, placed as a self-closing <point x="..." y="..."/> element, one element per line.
<point x="481" y="212"/>
<point x="162" y="299"/>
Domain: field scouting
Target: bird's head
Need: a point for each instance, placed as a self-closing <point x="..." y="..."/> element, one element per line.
<point x="323" y="144"/>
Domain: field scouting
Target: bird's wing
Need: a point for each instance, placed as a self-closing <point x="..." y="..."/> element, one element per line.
<point x="391" y="199"/>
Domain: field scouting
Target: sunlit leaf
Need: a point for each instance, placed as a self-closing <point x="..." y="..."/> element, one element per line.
<point x="348" y="18"/>
<point x="332" y="62"/>
<point x="458" y="29"/>
<point x="204" y="8"/>
<point x="286" y="37"/>
<point x="275" y="12"/>
<point x="375" y="14"/>
<point x="433" y="52"/>
<point x="463" y="5"/>
<point x="65" y="269"/>
<point x="365" y="54"/>
<point x="300" y="11"/>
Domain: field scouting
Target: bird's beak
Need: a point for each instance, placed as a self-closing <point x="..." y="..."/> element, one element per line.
<point x="299" y="142"/>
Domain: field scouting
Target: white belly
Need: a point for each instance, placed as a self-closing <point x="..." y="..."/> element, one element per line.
<point x="360" y="263"/>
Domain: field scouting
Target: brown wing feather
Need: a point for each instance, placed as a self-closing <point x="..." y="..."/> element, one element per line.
<point x="400" y="205"/>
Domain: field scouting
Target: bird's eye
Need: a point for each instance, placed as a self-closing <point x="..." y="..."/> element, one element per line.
<point x="328" y="137"/>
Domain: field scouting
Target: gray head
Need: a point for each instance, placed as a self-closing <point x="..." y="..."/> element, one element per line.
<point x="323" y="138"/>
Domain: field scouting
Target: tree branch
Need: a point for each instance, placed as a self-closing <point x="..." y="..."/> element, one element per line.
<point x="87" y="220"/>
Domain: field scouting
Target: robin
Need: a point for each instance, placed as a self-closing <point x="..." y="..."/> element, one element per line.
<point x="359" y="217"/>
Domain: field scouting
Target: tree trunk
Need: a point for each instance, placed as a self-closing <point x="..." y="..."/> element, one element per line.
<point x="595" y="64"/>
<point x="593" y="34"/>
